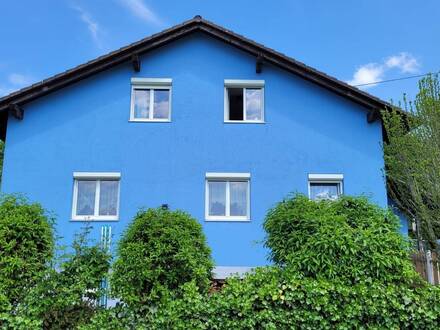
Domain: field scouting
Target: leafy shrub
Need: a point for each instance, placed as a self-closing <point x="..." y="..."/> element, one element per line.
<point x="69" y="297"/>
<point x="349" y="239"/>
<point x="289" y="295"/>
<point x="276" y="298"/>
<point x="66" y="294"/>
<point x="352" y="294"/>
<point x="26" y="245"/>
<point x="120" y="317"/>
<point x="160" y="251"/>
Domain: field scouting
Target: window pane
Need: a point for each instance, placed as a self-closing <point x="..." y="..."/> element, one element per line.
<point x="141" y="103"/>
<point x="235" y="97"/>
<point x="161" y="104"/>
<point x="238" y="191"/>
<point x="217" y="198"/>
<point x="324" y="191"/>
<point x="108" y="198"/>
<point x="85" y="204"/>
<point x="254" y="104"/>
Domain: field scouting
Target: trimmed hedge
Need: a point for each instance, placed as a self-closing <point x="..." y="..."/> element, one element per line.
<point x="160" y="251"/>
<point x="349" y="240"/>
<point x="26" y="245"/>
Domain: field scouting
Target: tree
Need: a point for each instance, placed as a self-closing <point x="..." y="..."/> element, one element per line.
<point x="412" y="158"/>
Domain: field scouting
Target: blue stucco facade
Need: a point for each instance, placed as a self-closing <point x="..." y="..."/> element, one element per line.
<point x="85" y="127"/>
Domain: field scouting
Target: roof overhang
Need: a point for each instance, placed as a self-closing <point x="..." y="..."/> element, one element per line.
<point x="131" y="53"/>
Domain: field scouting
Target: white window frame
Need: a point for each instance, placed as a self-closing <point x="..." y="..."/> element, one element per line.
<point x="327" y="178"/>
<point x="151" y="84"/>
<point x="228" y="177"/>
<point x="251" y="84"/>
<point x="97" y="177"/>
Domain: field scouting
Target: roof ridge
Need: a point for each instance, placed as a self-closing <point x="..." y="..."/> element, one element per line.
<point x="156" y="40"/>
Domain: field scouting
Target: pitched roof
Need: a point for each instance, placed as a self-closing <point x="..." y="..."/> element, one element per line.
<point x="197" y="24"/>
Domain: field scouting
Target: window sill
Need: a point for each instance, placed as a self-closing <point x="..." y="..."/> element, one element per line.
<point x="149" y="120"/>
<point x="243" y="122"/>
<point x="94" y="219"/>
<point x="227" y="219"/>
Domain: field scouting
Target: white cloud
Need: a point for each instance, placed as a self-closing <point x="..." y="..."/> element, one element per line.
<point x="92" y="25"/>
<point x="374" y="72"/>
<point x="140" y="9"/>
<point x="405" y="62"/>
<point x="367" y="73"/>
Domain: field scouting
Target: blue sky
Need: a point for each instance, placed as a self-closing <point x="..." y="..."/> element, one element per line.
<point x="355" y="41"/>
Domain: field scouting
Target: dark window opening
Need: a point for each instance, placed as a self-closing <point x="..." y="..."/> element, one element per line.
<point x="235" y="97"/>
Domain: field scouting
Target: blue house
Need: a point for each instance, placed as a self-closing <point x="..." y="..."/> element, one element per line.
<point x="197" y="118"/>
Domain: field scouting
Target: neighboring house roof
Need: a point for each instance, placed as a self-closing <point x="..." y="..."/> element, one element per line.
<point x="14" y="101"/>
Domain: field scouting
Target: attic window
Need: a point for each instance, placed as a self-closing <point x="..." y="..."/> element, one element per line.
<point x="150" y="100"/>
<point x="244" y="101"/>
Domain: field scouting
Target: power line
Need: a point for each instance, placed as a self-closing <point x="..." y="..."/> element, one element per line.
<point x="395" y="79"/>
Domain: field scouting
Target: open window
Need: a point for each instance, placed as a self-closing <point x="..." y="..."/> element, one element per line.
<point x="244" y="101"/>
<point x="150" y="100"/>
<point x="227" y="196"/>
<point x="325" y="186"/>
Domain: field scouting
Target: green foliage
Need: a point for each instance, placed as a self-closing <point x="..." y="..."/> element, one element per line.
<point x="65" y="295"/>
<point x="121" y="317"/>
<point x="277" y="298"/>
<point x="412" y="153"/>
<point x="341" y="265"/>
<point x="26" y="245"/>
<point x="160" y="251"/>
<point x="347" y="240"/>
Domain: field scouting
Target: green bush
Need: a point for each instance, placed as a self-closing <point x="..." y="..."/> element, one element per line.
<point x="63" y="294"/>
<point x="349" y="239"/>
<point x="370" y="286"/>
<point x="26" y="245"/>
<point x="324" y="281"/>
<point x="160" y="251"/>
<point x="276" y="298"/>
<point x="121" y="317"/>
<point x="67" y="294"/>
